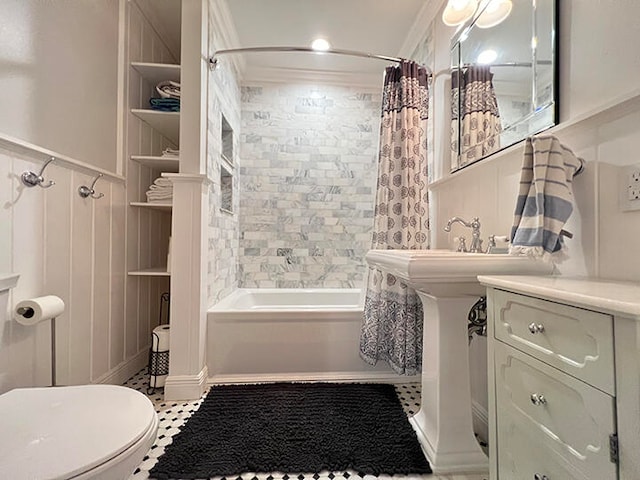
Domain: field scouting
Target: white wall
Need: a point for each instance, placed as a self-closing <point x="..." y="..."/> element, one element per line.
<point x="63" y="245"/>
<point x="56" y="59"/>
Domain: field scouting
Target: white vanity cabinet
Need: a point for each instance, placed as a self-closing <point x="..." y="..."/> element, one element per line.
<point x="564" y="378"/>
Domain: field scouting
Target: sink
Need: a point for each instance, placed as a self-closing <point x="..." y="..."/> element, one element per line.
<point x="447" y="284"/>
<point x="428" y="270"/>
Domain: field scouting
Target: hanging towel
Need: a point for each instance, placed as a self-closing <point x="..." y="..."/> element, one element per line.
<point x="545" y="200"/>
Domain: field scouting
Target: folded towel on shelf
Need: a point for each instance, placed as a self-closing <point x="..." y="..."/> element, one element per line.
<point x="545" y="199"/>
<point x="161" y="182"/>
<point x="165" y="104"/>
<point x="170" y="152"/>
<point x="168" y="89"/>
<point x="159" y="196"/>
<point x="161" y="190"/>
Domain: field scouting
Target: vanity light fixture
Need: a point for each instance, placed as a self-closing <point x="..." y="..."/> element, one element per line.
<point x="495" y="12"/>
<point x="458" y="11"/>
<point x="486" y="57"/>
<point x="320" y="45"/>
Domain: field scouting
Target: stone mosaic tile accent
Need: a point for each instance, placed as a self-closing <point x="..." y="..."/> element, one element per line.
<point x="307" y="184"/>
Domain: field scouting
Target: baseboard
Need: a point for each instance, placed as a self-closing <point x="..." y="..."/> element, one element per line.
<point x="125" y="370"/>
<point x="339" y="377"/>
<point x="186" y="387"/>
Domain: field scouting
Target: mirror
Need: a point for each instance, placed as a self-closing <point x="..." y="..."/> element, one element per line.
<point x="504" y="79"/>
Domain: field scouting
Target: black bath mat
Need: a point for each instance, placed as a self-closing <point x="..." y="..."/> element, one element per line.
<point x="294" y="428"/>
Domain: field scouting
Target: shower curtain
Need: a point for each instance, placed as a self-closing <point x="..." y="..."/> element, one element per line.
<point x="392" y="326"/>
<point x="473" y="100"/>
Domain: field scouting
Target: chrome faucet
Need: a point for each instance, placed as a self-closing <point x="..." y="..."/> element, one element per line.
<point x="476" y="243"/>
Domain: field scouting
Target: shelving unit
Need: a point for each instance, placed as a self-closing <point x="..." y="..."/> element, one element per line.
<point x="151" y="272"/>
<point x="165" y="164"/>
<point x="155" y="73"/>
<point x="166" y="123"/>
<point x="158" y="206"/>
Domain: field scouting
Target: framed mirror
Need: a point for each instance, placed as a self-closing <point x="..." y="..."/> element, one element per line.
<point x="504" y="78"/>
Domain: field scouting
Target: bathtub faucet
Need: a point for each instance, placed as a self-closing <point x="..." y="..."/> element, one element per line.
<point x="476" y="243"/>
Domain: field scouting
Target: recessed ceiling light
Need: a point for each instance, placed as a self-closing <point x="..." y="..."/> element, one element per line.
<point x="487" y="56"/>
<point x="320" y="45"/>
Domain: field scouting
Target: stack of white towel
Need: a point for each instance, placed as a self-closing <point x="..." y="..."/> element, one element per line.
<point x="160" y="191"/>
<point x="171" y="152"/>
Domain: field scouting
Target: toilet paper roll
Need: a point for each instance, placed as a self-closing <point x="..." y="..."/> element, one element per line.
<point x="35" y="310"/>
<point x="160" y="339"/>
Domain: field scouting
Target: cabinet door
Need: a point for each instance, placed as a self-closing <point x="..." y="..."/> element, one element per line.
<point x="568" y="419"/>
<point x="577" y="341"/>
<point x="522" y="456"/>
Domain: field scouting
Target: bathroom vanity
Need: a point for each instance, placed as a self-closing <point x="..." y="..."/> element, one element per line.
<point x="564" y="378"/>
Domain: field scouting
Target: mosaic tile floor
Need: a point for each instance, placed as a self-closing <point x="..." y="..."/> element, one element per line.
<point x="173" y="415"/>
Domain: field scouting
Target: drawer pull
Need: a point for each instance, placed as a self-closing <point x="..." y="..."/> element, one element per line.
<point x="538" y="476"/>
<point x="538" y="399"/>
<point x="536" y="328"/>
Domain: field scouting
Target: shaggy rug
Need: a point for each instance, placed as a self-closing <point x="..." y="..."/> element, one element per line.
<point x="294" y="428"/>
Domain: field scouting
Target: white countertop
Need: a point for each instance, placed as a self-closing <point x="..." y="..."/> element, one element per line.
<point x="608" y="296"/>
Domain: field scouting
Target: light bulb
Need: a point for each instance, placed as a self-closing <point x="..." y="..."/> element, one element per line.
<point x="494" y="13"/>
<point x="458" y="11"/>
<point x="320" y="45"/>
<point x="487" y="56"/>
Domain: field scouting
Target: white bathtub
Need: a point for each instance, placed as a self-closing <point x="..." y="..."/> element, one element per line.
<point x="289" y="334"/>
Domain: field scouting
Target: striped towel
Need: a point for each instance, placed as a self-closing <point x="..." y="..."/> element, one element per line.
<point x="545" y="200"/>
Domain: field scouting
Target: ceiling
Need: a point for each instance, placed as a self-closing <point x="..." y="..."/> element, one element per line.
<point x="371" y="26"/>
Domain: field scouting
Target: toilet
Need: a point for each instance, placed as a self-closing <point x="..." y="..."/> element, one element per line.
<point x="80" y="432"/>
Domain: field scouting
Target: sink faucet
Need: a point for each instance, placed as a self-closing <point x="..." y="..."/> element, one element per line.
<point x="476" y="243"/>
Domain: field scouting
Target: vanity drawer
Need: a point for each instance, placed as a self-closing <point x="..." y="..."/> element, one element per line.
<point x="566" y="418"/>
<point x="577" y="341"/>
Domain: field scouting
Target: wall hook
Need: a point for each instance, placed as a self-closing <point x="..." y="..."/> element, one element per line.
<point x="31" y="179"/>
<point x="85" y="191"/>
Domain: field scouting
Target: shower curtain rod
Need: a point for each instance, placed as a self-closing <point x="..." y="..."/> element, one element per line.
<point x="213" y="61"/>
<point x="505" y="64"/>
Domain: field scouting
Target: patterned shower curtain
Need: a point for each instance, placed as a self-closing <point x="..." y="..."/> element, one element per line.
<point x="473" y="99"/>
<point x="392" y="326"/>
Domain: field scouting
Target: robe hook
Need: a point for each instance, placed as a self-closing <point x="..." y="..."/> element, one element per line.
<point x="31" y="179"/>
<point x="85" y="191"/>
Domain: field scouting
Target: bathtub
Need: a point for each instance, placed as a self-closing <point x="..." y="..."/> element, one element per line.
<point x="278" y="334"/>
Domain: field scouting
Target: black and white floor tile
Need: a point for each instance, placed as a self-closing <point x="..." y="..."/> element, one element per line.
<point x="172" y="415"/>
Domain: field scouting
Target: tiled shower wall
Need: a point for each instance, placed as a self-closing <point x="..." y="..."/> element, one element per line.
<point x="222" y="232"/>
<point x="308" y="165"/>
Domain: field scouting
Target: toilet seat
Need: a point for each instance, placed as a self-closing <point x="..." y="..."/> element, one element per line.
<point x="72" y="432"/>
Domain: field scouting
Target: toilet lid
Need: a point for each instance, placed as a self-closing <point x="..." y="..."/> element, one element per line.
<point x="60" y="432"/>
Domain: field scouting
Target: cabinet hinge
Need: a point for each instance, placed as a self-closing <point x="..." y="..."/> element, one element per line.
<point x="613" y="448"/>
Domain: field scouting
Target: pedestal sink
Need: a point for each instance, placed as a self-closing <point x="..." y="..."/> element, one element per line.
<point x="447" y="285"/>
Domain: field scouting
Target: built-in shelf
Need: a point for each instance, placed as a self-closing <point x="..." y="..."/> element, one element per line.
<point x="166" y="164"/>
<point x="166" y="123"/>
<point x="151" y="272"/>
<point x="155" y="73"/>
<point x="157" y="206"/>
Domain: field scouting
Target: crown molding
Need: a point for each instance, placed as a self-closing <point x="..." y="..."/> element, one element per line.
<point x="258" y="74"/>
<point x="426" y="15"/>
